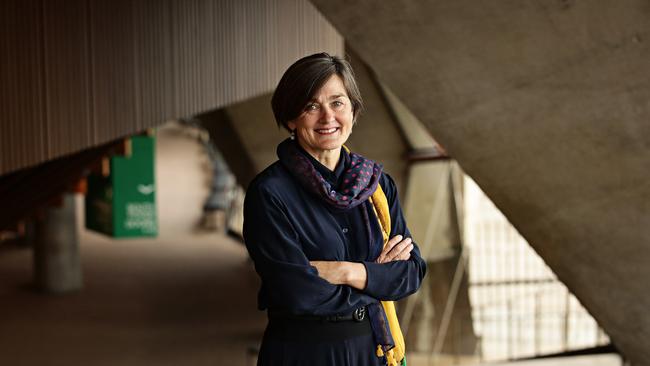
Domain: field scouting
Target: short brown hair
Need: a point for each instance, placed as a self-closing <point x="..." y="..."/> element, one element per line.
<point x="304" y="78"/>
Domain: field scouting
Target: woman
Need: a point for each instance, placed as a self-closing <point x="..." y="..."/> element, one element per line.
<point x="314" y="231"/>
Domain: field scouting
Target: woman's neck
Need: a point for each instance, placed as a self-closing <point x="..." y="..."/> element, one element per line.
<point x="329" y="158"/>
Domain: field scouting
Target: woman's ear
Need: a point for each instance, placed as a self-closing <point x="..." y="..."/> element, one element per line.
<point x="291" y="125"/>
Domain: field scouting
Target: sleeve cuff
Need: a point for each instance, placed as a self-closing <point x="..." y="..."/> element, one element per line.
<point x="375" y="278"/>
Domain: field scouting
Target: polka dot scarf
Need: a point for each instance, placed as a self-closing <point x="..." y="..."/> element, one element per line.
<point x="358" y="182"/>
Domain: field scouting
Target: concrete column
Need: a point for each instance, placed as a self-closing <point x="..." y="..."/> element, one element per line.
<point x="57" y="266"/>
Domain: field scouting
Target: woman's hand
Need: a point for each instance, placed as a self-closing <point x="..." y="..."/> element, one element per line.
<point x="342" y="273"/>
<point x="397" y="249"/>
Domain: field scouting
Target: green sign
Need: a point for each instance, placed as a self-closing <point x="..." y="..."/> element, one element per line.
<point x="123" y="204"/>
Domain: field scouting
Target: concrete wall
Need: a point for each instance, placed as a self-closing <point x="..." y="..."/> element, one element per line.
<point x="545" y="105"/>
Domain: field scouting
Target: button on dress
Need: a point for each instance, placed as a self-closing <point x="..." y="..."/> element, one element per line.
<point x="285" y="227"/>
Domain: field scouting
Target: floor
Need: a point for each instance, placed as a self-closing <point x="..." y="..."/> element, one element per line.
<point x="183" y="301"/>
<point x="188" y="300"/>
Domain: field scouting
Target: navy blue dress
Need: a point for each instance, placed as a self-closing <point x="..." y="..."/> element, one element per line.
<point x="285" y="227"/>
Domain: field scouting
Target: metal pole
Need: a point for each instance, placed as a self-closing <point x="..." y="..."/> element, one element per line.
<point x="538" y="332"/>
<point x="479" y="344"/>
<point x="509" y="337"/>
<point x="436" y="211"/>
<point x="567" y="313"/>
<point x="449" y="306"/>
<point x="455" y="284"/>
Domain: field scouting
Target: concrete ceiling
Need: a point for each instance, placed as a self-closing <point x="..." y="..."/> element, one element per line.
<point x="546" y="104"/>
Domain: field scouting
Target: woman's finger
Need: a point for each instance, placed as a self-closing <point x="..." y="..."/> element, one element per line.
<point x="405" y="254"/>
<point x="392" y="242"/>
<point x="399" y="248"/>
<point x="389" y="246"/>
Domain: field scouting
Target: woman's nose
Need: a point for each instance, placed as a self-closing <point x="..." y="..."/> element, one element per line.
<point x="328" y="114"/>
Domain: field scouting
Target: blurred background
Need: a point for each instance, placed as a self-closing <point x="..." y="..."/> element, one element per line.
<point x="517" y="133"/>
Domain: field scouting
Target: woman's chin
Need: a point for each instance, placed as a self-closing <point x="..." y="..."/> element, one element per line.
<point x="331" y="145"/>
<point x="328" y="143"/>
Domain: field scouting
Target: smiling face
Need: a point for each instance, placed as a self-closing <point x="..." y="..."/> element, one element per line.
<point x="326" y="122"/>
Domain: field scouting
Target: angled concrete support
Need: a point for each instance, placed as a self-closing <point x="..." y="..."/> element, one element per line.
<point x="57" y="265"/>
<point x="545" y="105"/>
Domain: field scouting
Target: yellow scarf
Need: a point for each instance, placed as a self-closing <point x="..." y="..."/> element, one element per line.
<point x="395" y="356"/>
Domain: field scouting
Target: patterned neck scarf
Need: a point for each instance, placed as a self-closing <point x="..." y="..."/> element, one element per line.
<point x="358" y="182"/>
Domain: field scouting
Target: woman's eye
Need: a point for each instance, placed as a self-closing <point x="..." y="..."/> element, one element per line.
<point x="311" y="107"/>
<point x="337" y="103"/>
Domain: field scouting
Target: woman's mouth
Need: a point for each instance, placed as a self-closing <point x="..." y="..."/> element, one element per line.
<point x="326" y="131"/>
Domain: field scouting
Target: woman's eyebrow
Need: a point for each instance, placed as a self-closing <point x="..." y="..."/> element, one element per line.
<point x="331" y="97"/>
